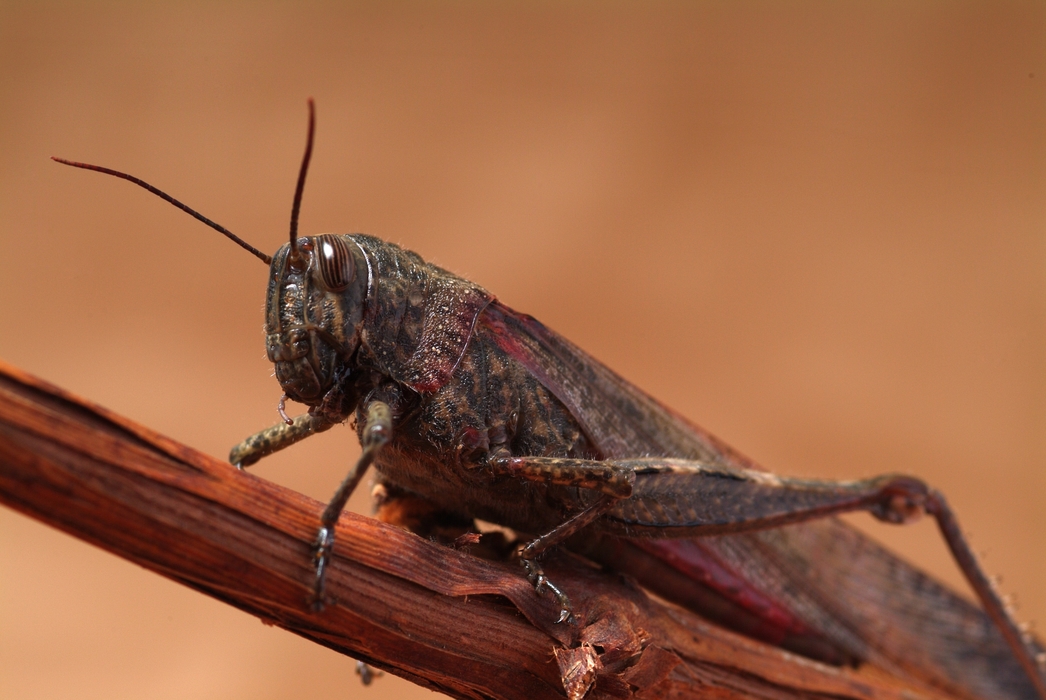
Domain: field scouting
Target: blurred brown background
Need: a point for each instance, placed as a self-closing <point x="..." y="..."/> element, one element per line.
<point x="816" y="228"/>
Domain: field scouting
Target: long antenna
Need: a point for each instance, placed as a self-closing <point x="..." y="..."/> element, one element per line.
<point x="163" y="195"/>
<point x="296" y="207"/>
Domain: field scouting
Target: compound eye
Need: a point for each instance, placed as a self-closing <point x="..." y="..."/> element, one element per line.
<point x="334" y="261"/>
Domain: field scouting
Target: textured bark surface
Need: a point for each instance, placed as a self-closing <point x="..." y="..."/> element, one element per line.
<point x="440" y="617"/>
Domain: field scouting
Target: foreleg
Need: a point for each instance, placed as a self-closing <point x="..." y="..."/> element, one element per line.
<point x="279" y="436"/>
<point x="377" y="430"/>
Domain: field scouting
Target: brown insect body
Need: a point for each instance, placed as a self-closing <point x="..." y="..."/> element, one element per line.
<point x="413" y="334"/>
<point x="468" y="378"/>
<point x="487" y="414"/>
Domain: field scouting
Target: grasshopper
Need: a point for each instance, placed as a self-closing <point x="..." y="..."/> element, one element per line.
<point x="485" y="413"/>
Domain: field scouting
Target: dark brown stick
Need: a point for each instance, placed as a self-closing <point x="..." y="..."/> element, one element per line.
<point x="443" y="619"/>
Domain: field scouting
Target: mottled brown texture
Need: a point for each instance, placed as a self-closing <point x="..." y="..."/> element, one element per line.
<point x="500" y="385"/>
<point x="598" y="476"/>
<point x="815" y="228"/>
<point x="277" y="437"/>
<point x="428" y="613"/>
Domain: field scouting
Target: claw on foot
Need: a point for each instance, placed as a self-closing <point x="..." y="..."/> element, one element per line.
<point x="541" y="584"/>
<point x="324" y="545"/>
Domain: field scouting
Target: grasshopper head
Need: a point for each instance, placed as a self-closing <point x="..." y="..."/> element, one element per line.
<point x="314" y="305"/>
<point x="314" y="309"/>
<point x="315" y="300"/>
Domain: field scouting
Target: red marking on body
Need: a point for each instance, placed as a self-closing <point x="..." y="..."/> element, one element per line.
<point x="689" y="557"/>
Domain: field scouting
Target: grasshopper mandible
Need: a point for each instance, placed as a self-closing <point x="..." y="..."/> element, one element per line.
<point x="485" y="413"/>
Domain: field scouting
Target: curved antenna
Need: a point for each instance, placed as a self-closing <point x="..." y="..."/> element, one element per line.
<point x="163" y="195"/>
<point x="296" y="207"/>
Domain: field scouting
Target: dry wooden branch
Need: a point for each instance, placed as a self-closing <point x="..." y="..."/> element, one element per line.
<point x="441" y="618"/>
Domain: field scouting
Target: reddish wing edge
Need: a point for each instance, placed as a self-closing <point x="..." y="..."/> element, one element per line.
<point x="821" y="588"/>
